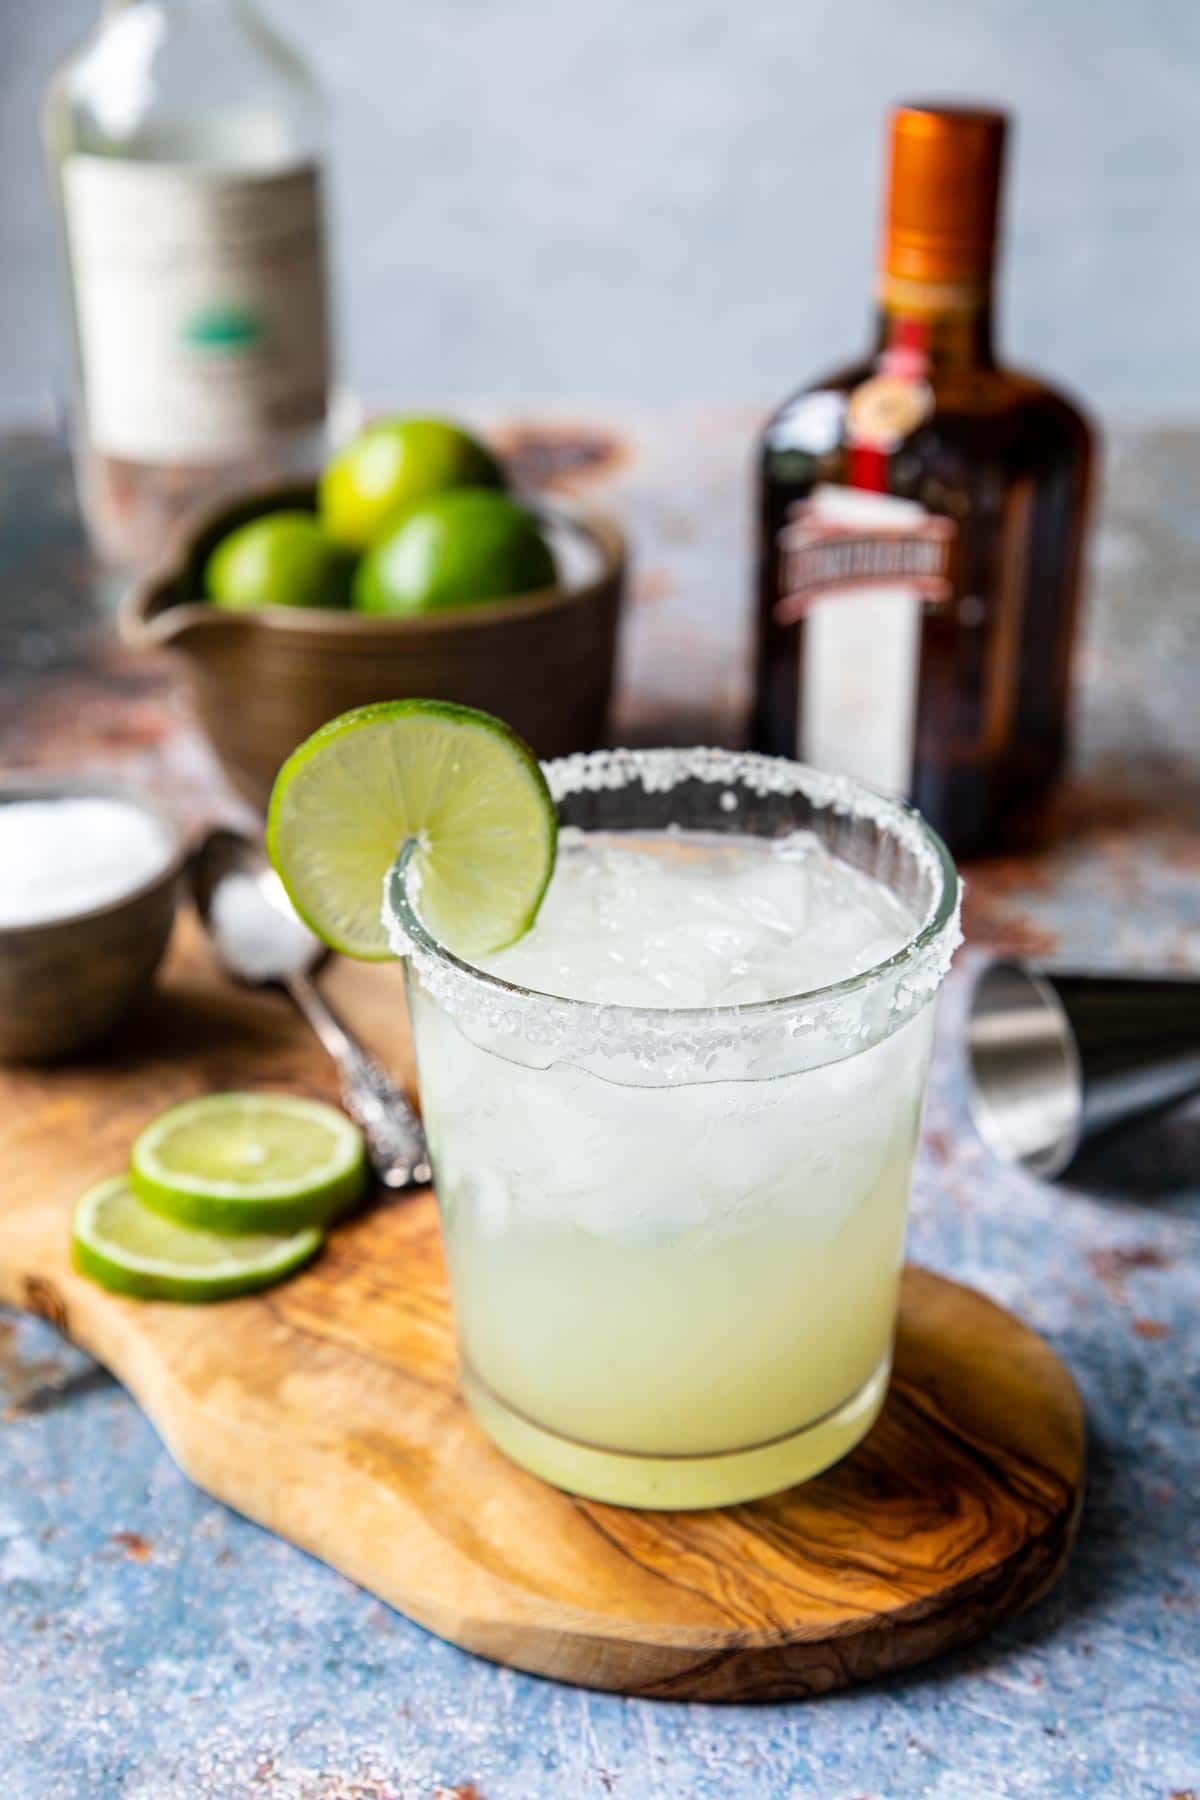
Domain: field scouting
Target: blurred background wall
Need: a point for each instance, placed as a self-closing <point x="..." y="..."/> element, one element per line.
<point x="667" y="200"/>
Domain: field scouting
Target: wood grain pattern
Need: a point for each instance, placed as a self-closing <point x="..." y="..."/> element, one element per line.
<point x="328" y="1411"/>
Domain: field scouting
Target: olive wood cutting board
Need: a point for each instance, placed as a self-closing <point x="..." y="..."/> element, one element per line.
<point x="327" y="1410"/>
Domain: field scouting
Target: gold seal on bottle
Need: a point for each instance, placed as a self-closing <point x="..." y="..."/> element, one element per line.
<point x="882" y="411"/>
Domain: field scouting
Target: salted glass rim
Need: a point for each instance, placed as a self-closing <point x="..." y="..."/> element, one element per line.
<point x="667" y="769"/>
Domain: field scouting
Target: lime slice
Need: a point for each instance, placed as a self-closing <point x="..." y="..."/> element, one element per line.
<point x="249" y="1162"/>
<point x="458" y="782"/>
<point x="127" y="1248"/>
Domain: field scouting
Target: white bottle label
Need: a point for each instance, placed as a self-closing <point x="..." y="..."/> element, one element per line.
<point x="858" y="567"/>
<point x="200" y="300"/>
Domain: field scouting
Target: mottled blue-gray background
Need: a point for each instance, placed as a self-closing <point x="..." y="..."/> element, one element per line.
<point x="660" y="200"/>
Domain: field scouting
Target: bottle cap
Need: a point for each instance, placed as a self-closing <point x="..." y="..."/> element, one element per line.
<point x="943" y="192"/>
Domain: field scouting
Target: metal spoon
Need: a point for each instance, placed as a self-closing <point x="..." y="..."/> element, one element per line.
<point x="261" y="942"/>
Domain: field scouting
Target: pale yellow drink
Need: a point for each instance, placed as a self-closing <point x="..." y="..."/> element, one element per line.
<point x="674" y="1275"/>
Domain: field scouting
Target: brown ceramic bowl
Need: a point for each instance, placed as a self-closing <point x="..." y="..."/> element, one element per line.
<point x="264" y="680"/>
<point x="66" y="983"/>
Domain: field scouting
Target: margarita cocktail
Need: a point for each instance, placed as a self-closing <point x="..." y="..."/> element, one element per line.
<point x="672" y="1126"/>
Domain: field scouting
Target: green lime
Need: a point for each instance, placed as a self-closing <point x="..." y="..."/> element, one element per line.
<point x="458" y="782"/>
<point x="394" y="463"/>
<point x="125" y="1247"/>
<point x="455" y="550"/>
<point x="249" y="1162"/>
<point x="280" y="559"/>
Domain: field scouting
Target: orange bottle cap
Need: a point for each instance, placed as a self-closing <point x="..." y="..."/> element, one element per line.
<point x="943" y="192"/>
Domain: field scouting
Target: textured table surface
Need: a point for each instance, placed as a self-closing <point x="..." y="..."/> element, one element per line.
<point x="154" y="1646"/>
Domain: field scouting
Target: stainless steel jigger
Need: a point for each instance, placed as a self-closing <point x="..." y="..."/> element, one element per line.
<point x="1057" y="1055"/>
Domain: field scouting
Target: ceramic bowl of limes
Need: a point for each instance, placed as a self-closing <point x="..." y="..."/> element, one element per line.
<point x="409" y="567"/>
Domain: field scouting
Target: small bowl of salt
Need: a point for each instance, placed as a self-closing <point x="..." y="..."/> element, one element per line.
<point x="88" y="879"/>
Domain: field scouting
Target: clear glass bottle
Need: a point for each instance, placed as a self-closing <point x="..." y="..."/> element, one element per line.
<point x="185" y="143"/>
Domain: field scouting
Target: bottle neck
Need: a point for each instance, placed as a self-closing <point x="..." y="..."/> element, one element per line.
<point x="946" y="326"/>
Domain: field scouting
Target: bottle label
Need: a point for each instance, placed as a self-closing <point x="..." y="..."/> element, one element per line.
<point x="859" y="567"/>
<point x="200" y="300"/>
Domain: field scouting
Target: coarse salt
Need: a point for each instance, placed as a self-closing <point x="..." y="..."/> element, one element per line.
<point x="63" y="857"/>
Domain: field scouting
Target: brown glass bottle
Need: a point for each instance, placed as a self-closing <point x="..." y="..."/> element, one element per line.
<point x="922" y="522"/>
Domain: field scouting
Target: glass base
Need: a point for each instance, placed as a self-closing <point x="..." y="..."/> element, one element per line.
<point x="679" y="1482"/>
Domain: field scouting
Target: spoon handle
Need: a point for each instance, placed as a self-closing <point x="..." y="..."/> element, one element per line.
<point x="395" y="1141"/>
